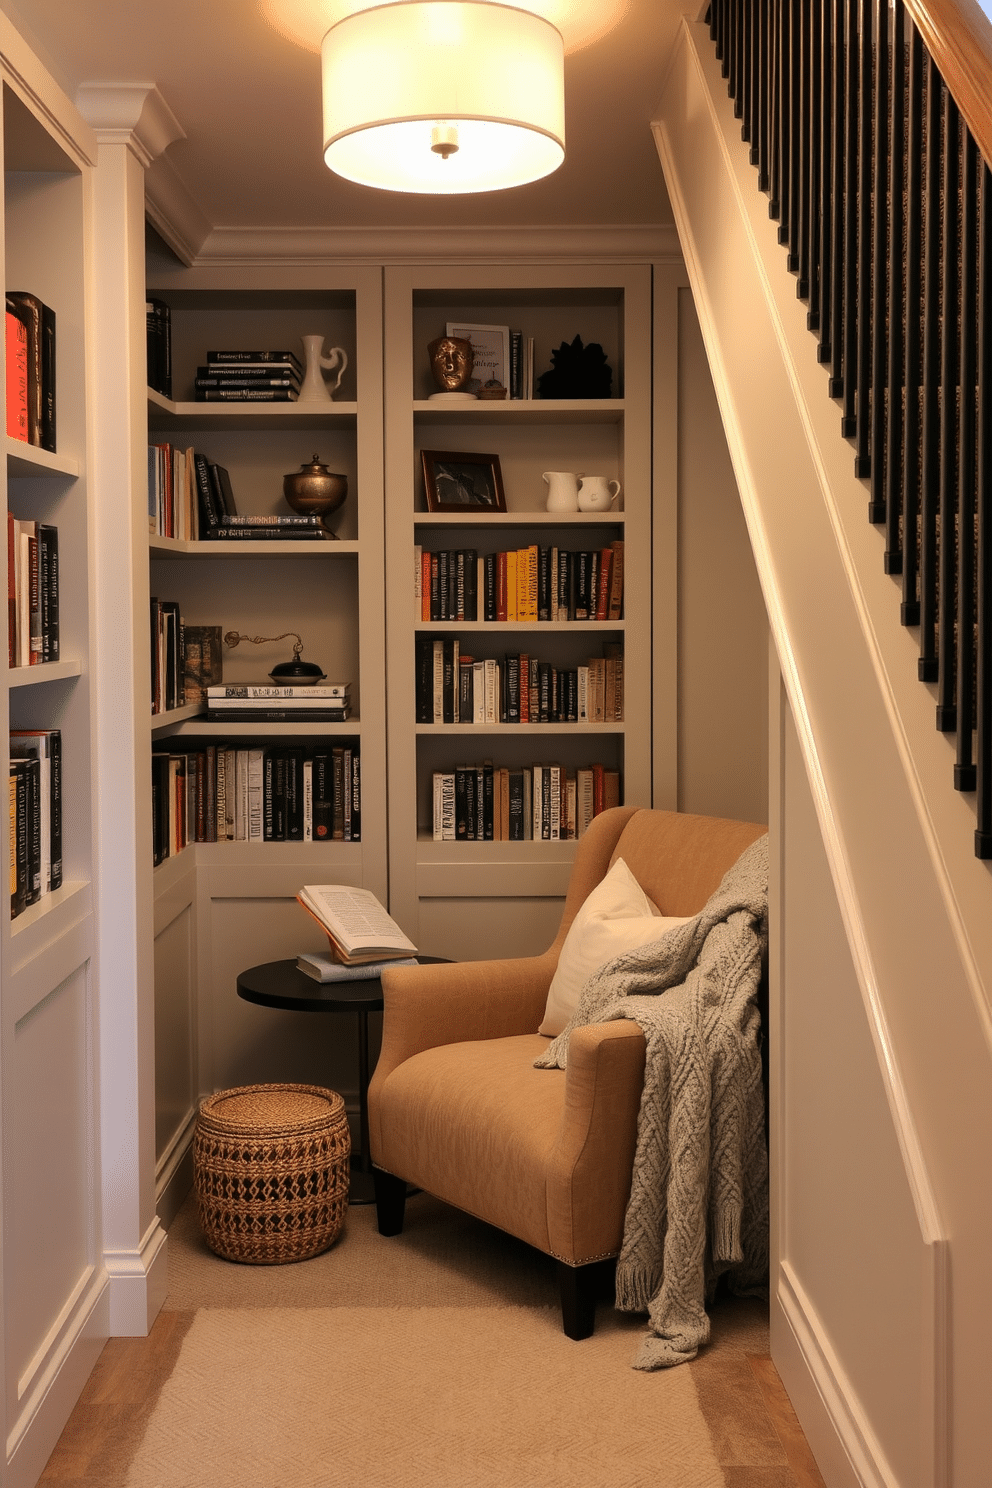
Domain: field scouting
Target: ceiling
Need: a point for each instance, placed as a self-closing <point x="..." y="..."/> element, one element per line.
<point x="248" y="101"/>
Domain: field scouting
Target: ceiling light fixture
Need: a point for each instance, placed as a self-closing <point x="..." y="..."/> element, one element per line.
<point x="443" y="96"/>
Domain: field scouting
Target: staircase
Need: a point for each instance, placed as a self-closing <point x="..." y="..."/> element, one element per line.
<point x="884" y="208"/>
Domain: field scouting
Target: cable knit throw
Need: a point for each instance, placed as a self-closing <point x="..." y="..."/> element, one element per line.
<point x="698" y="1203"/>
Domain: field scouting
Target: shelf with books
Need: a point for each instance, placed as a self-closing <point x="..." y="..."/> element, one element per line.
<point x="521" y="439"/>
<point x="179" y="547"/>
<point x="28" y="461"/>
<point x="44" y="672"/>
<point x="563" y="411"/>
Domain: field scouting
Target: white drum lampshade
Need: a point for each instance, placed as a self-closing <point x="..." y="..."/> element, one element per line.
<point x="443" y="97"/>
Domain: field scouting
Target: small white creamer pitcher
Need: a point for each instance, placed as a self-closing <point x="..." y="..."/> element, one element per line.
<point x="313" y="388"/>
<point x="597" y="493"/>
<point x="563" y="490"/>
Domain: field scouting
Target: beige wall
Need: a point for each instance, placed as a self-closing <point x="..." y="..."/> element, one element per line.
<point x="723" y="628"/>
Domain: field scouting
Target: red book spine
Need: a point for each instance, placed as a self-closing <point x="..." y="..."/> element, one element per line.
<point x="598" y="772"/>
<point x="17" y="377"/>
<point x="425" y="586"/>
<point x="603" y="588"/>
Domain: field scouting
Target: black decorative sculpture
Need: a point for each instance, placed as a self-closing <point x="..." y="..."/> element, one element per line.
<point x="577" y="371"/>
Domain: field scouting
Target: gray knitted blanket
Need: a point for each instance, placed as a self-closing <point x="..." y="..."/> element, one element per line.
<point x="698" y="1204"/>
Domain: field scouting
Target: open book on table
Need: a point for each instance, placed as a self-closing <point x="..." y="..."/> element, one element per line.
<point x="355" y="923"/>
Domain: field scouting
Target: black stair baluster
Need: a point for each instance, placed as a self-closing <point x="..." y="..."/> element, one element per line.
<point x="862" y="411"/>
<point x="823" y="285"/>
<point x="785" y="119"/>
<point x="804" y="161"/>
<point x="838" y="237"/>
<point x="797" y="109"/>
<point x="775" y="109"/>
<point x="983" y="709"/>
<point x="880" y="293"/>
<point x="764" y="78"/>
<point x="964" y="768"/>
<point x="913" y="376"/>
<point x="738" y="63"/>
<point x="899" y="304"/>
<point x="849" y="351"/>
<point x="715" y="17"/>
<point x="930" y="475"/>
<point x="747" y="47"/>
<point x="814" y="143"/>
<point x="949" y="369"/>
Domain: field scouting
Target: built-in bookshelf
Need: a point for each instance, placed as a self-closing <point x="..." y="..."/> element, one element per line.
<point x="50" y="1086"/>
<point x="604" y="436"/>
<point x="326" y="592"/>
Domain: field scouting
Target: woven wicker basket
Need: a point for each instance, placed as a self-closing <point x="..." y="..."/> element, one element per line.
<point x="271" y="1171"/>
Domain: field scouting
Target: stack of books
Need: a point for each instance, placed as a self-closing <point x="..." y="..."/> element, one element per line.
<point x="220" y="792"/>
<point x="35" y="797"/>
<point x="248" y="377"/>
<point x="272" y="702"/>
<point x="535" y="583"/>
<point x="158" y="330"/>
<point x="542" y="802"/>
<point x="30" y="376"/>
<point x="32" y="592"/>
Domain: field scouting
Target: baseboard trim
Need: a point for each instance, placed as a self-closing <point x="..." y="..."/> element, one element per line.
<point x="138" y="1283"/>
<point x="174" y="1174"/>
<point x="840" y="1437"/>
<point x="49" y="1394"/>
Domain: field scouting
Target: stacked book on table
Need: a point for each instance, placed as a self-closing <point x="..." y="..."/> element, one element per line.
<point x="275" y="702"/>
<point x="364" y="938"/>
<point x="248" y="377"/>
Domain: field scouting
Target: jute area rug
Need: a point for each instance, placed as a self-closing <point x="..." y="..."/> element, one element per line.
<point x="434" y="1358"/>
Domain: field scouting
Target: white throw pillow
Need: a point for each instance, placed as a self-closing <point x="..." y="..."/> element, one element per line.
<point x="617" y="916"/>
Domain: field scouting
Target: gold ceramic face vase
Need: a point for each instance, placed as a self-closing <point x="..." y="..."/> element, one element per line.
<point x="451" y="362"/>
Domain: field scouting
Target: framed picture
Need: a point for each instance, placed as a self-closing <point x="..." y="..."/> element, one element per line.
<point x="460" y="481"/>
<point x="491" y="352"/>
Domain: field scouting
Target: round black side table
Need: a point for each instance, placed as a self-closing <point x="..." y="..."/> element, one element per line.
<point x="281" y="984"/>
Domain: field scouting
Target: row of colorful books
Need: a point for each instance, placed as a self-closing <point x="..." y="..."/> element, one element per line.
<point x="454" y="687"/>
<point x="191" y="497"/>
<point x="30" y="370"/>
<point x="483" y="802"/>
<point x="248" y="377"/>
<point x="531" y="584"/>
<point x="219" y="792"/>
<point x="35" y="804"/>
<point x="32" y="592"/>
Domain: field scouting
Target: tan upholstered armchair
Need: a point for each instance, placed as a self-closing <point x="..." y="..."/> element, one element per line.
<point x="456" y="1106"/>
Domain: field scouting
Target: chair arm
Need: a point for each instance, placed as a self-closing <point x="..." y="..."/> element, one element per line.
<point x="454" y="1002"/>
<point x="590" y="1165"/>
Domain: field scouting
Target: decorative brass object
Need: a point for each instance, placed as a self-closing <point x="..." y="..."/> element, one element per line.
<point x="296" y="670"/>
<point x="452" y="358"/>
<point x="313" y="490"/>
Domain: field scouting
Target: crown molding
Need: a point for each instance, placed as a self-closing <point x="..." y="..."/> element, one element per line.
<point x="173" y="213"/>
<point x="228" y="247"/>
<point x="132" y="114"/>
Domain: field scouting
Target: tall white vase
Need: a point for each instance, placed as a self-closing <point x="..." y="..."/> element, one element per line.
<point x="314" y="389"/>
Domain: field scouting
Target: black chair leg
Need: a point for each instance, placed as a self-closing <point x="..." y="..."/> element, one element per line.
<point x="390" y="1201"/>
<point x="579" y="1285"/>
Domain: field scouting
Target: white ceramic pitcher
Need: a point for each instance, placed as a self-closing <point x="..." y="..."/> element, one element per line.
<point x="563" y="490"/>
<point x="597" y="493"/>
<point x="314" y="389"/>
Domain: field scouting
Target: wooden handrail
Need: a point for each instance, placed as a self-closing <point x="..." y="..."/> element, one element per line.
<point x="958" y="35"/>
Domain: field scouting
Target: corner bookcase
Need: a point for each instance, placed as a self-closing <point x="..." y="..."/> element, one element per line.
<point x="51" y="1248"/>
<point x="223" y="906"/>
<point x="460" y="898"/>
